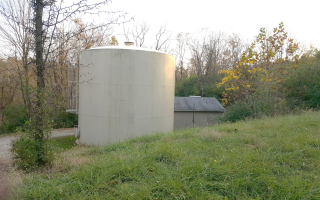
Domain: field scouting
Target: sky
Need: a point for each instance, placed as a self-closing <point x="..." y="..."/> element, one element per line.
<point x="245" y="17"/>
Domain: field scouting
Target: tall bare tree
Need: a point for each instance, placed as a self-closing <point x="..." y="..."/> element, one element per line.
<point x="180" y="53"/>
<point x="138" y="33"/>
<point x="214" y="52"/>
<point x="235" y="46"/>
<point x="206" y="53"/>
<point x="16" y="38"/>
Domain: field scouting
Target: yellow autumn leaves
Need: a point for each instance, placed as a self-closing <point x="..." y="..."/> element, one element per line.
<point x="262" y="66"/>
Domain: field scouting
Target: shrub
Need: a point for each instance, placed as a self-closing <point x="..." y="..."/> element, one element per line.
<point x="33" y="150"/>
<point x="25" y="151"/>
<point x="256" y="106"/>
<point x="238" y="111"/>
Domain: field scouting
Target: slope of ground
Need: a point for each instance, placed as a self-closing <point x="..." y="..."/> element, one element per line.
<point x="271" y="158"/>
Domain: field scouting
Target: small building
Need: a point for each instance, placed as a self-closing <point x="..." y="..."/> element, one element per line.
<point x="196" y="111"/>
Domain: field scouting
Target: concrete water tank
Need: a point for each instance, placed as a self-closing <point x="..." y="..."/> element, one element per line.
<point x="124" y="92"/>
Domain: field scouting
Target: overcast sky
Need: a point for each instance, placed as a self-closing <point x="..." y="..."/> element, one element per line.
<point x="246" y="17"/>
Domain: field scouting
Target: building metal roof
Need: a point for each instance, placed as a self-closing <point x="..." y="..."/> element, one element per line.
<point x="203" y="104"/>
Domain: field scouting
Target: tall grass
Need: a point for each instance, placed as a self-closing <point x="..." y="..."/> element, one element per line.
<point x="271" y="158"/>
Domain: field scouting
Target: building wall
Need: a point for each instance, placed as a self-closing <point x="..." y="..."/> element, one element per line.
<point x="184" y="119"/>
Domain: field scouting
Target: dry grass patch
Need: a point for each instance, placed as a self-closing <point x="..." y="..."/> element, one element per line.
<point x="9" y="178"/>
<point x="15" y="178"/>
<point x="71" y="159"/>
<point x="212" y="134"/>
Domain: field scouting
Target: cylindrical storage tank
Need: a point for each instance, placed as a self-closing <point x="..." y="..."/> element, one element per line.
<point x="124" y="92"/>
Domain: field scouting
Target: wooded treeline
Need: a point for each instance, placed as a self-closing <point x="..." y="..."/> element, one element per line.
<point x="273" y="75"/>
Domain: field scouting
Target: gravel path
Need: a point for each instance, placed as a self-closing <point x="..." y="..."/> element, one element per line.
<point x="5" y="143"/>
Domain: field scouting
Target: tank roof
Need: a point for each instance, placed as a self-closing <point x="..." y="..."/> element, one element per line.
<point x="127" y="48"/>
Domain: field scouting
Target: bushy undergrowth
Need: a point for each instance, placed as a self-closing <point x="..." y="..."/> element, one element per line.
<point x="26" y="150"/>
<point x="238" y="111"/>
<point x="302" y="87"/>
<point x="66" y="120"/>
<point x="14" y="117"/>
<point x="273" y="158"/>
<point x="298" y="91"/>
<point x="257" y="107"/>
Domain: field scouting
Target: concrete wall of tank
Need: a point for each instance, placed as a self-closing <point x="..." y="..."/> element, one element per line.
<point x="124" y="92"/>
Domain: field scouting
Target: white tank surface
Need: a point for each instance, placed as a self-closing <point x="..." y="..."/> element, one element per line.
<point x="124" y="92"/>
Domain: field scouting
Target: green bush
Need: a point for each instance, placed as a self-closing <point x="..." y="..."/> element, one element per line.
<point x="238" y="111"/>
<point x="25" y="151"/>
<point x="256" y="106"/>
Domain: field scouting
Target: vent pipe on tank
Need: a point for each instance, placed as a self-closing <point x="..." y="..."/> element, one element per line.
<point x="129" y="43"/>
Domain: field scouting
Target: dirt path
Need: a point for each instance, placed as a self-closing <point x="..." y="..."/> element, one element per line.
<point x="5" y="143"/>
<point x="6" y="160"/>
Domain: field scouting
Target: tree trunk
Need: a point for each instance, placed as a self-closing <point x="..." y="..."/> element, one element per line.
<point x="40" y="78"/>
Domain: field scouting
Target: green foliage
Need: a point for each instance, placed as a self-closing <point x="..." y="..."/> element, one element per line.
<point x="14" y="116"/>
<point x="32" y="149"/>
<point x="302" y="87"/>
<point x="258" y="105"/>
<point x="25" y="151"/>
<point x="65" y="120"/>
<point x="273" y="158"/>
<point x="192" y="86"/>
<point x="188" y="87"/>
<point x="210" y="88"/>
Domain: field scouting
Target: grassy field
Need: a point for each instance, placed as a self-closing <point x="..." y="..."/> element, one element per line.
<point x="272" y="158"/>
<point x="64" y="143"/>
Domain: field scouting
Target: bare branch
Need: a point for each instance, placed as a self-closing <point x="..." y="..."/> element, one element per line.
<point x="163" y="39"/>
